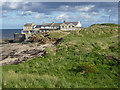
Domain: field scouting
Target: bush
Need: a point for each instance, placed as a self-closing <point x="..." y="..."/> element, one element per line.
<point x="85" y="67"/>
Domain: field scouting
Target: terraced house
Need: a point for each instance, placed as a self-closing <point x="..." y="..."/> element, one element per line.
<point x="31" y="28"/>
<point x="67" y="26"/>
<point x="28" y="28"/>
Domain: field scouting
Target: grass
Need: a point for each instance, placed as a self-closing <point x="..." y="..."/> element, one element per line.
<point x="79" y="61"/>
<point x="57" y="34"/>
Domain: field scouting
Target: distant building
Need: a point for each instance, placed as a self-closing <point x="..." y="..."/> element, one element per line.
<point x="56" y="26"/>
<point x="67" y="26"/>
<point x="46" y="27"/>
<point x="31" y="28"/>
<point x="28" y="28"/>
<point x="37" y="28"/>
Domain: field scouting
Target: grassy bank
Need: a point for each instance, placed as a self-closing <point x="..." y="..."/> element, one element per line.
<point x="83" y="59"/>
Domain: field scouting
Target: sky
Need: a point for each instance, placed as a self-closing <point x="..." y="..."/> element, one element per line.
<point x="16" y="14"/>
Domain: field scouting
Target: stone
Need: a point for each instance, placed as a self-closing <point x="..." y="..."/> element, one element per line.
<point x="15" y="53"/>
<point x="19" y="37"/>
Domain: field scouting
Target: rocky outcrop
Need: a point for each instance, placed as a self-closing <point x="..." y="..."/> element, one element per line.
<point x="15" y="53"/>
<point x="58" y="41"/>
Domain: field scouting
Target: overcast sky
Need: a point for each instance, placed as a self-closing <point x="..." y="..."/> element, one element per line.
<point x="16" y="14"/>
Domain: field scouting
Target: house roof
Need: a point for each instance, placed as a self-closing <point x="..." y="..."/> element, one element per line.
<point x="28" y="24"/>
<point x="75" y="23"/>
<point x="38" y="26"/>
<point x="56" y="24"/>
<point x="47" y="24"/>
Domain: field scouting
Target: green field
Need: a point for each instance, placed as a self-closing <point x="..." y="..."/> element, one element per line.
<point x="83" y="59"/>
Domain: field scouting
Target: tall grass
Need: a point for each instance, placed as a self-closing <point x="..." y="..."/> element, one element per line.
<point x="81" y="60"/>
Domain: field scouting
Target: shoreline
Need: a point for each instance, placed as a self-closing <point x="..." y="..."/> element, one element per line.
<point x="19" y="52"/>
<point x="15" y="53"/>
<point x="5" y="40"/>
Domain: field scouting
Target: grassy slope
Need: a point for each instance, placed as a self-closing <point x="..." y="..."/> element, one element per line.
<point x="78" y="61"/>
<point x="57" y="34"/>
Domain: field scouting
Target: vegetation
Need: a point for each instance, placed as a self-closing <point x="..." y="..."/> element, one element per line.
<point x="107" y="24"/>
<point x="57" y="34"/>
<point x="110" y="24"/>
<point x="83" y="59"/>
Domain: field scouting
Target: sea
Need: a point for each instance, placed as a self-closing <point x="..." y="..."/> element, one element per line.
<point x="8" y="33"/>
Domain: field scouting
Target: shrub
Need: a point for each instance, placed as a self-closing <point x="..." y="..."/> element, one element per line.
<point x="85" y="67"/>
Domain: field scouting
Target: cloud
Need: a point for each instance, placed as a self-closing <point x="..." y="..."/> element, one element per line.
<point x="84" y="8"/>
<point x="13" y="5"/>
<point x="85" y="15"/>
<point x="114" y="19"/>
<point x="59" y="11"/>
<point x="62" y="16"/>
<point x="76" y="8"/>
<point x="37" y="16"/>
<point x="48" y="8"/>
<point x="4" y="11"/>
<point x="64" y="7"/>
<point x="25" y="13"/>
<point x="95" y="13"/>
<point x="41" y="16"/>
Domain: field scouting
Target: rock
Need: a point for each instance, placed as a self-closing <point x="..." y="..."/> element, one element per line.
<point x="11" y="53"/>
<point x="31" y="45"/>
<point x="14" y="56"/>
<point x="4" y="57"/>
<point x="17" y="62"/>
<point x="15" y="53"/>
<point x="38" y="45"/>
<point x="58" y="41"/>
<point x="44" y="53"/>
<point x="35" y="52"/>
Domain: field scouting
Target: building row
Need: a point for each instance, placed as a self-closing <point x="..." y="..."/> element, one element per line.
<point x="31" y="28"/>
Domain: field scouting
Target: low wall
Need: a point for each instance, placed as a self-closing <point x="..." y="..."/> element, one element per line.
<point x="19" y="37"/>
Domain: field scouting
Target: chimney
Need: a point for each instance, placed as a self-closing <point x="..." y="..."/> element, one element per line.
<point x="64" y="21"/>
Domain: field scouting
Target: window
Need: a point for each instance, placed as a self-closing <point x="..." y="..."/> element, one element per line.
<point x="25" y="31"/>
<point x="69" y="26"/>
<point x="62" y="26"/>
<point x="72" y="26"/>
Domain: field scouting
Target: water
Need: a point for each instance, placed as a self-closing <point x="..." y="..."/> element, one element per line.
<point x="9" y="33"/>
